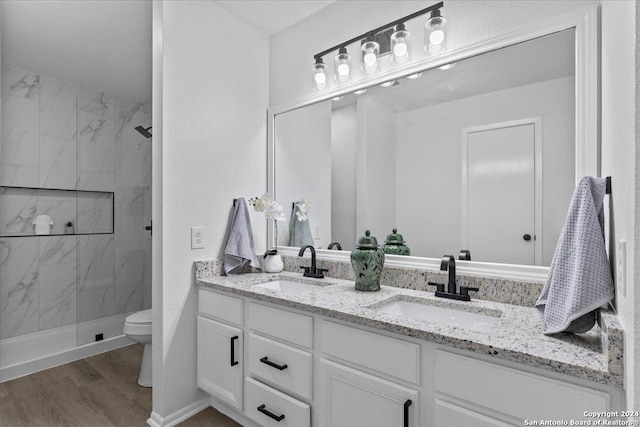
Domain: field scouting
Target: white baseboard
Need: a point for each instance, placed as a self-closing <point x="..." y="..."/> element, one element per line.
<point x="155" y="420"/>
<point x="60" y="358"/>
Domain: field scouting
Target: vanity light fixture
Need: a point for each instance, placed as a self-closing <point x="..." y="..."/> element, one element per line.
<point x="390" y="83"/>
<point x="337" y="98"/>
<point x="448" y="66"/>
<point x="392" y="38"/>
<point x="415" y="76"/>
<point x="400" y="46"/>
<point x="319" y="75"/>
<point x="435" y="34"/>
<point x="342" y="66"/>
<point x="370" y="51"/>
<point x="360" y="92"/>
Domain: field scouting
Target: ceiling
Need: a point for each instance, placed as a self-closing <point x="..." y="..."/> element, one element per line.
<point x="99" y="44"/>
<point x="273" y="16"/>
<point x="542" y="59"/>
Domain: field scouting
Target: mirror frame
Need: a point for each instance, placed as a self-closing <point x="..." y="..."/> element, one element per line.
<point x="587" y="124"/>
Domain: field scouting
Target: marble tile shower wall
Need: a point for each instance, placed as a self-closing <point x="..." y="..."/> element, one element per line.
<point x="58" y="135"/>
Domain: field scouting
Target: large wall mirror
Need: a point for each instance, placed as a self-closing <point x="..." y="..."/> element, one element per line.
<point x="478" y="155"/>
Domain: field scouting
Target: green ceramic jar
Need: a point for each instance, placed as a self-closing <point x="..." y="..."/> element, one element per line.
<point x="394" y="245"/>
<point x="367" y="260"/>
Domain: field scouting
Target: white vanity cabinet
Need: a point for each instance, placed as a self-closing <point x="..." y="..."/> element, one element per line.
<point x="349" y="397"/>
<point x="301" y="369"/>
<point x="221" y="347"/>
<point x="220" y="360"/>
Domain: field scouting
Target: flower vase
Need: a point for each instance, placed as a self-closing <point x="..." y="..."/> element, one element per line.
<point x="70" y="229"/>
<point x="272" y="263"/>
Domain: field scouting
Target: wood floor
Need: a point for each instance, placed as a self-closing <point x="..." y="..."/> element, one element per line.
<point x="98" y="391"/>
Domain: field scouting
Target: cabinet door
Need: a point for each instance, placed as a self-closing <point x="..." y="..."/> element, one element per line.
<point x="220" y="361"/>
<point x="351" y="398"/>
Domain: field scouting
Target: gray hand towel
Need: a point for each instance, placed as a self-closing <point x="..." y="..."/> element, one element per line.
<point x="239" y="250"/>
<point x="580" y="278"/>
<point x="299" y="231"/>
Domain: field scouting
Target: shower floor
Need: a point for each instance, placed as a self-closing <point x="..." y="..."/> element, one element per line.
<point x="101" y="390"/>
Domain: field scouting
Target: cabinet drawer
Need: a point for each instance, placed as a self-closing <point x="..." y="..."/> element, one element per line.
<point x="281" y="324"/>
<point x="390" y="356"/>
<point x="450" y="415"/>
<point x="296" y="377"/>
<point x="514" y="393"/>
<point x="221" y="307"/>
<point x="274" y="404"/>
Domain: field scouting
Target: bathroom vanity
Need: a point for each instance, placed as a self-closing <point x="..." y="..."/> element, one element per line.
<point x="285" y="350"/>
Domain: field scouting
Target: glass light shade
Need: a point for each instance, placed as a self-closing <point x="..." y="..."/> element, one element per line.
<point x="400" y="46"/>
<point x="319" y="81"/>
<point x="435" y="34"/>
<point x="342" y="66"/>
<point x="370" y="51"/>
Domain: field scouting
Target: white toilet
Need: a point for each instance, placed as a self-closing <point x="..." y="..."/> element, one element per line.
<point x="137" y="327"/>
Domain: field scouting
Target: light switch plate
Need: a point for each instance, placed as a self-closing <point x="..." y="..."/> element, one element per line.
<point x="621" y="266"/>
<point x="197" y="237"/>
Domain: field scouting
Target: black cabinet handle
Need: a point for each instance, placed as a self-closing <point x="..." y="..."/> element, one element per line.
<point x="266" y="360"/>
<point x="269" y="414"/>
<point x="234" y="362"/>
<point x="527" y="237"/>
<point x="406" y="412"/>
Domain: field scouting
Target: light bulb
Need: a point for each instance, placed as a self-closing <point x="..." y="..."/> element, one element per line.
<point x="414" y="76"/>
<point x="400" y="49"/>
<point x="400" y="46"/>
<point x="370" y="50"/>
<point x="319" y="75"/>
<point x="342" y="66"/>
<point x="435" y="34"/>
<point x="370" y="59"/>
<point x="360" y="92"/>
<point x="436" y="37"/>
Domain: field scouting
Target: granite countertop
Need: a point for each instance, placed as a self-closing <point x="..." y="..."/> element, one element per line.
<point x="517" y="336"/>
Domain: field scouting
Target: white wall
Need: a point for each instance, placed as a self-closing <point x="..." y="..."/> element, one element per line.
<point x="376" y="169"/>
<point x="291" y="56"/>
<point x="344" y="134"/>
<point x="620" y="161"/>
<point x="430" y="161"/>
<point x="303" y="168"/>
<point x="210" y="112"/>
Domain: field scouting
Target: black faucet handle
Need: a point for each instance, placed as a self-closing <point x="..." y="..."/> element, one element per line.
<point x="439" y="286"/>
<point x="464" y="290"/>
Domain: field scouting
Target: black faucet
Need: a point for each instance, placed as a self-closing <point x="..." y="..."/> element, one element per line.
<point x="312" y="271"/>
<point x="449" y="263"/>
<point x="336" y="244"/>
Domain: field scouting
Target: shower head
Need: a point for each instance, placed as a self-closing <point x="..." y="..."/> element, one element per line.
<point x="144" y="132"/>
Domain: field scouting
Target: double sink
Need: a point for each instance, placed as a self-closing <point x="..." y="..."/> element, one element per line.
<point x="462" y="315"/>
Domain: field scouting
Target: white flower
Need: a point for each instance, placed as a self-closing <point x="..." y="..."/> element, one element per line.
<point x="42" y="220"/>
<point x="260" y="203"/>
<point x="274" y="211"/>
<point x="302" y="213"/>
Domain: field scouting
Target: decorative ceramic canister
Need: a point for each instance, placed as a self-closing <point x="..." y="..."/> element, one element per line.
<point x="394" y="245"/>
<point x="367" y="260"/>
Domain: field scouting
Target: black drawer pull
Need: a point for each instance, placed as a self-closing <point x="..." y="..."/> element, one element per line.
<point x="269" y="414"/>
<point x="234" y="362"/>
<point x="273" y="365"/>
<point x="406" y="412"/>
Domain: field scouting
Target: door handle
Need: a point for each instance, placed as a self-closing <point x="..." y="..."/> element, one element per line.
<point x="270" y="414"/>
<point x="273" y="365"/>
<point x="406" y="412"/>
<point x="234" y="362"/>
<point x="527" y="237"/>
<point x="149" y="227"/>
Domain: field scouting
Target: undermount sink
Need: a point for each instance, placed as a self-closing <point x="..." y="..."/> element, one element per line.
<point x="447" y="316"/>
<point x="289" y="287"/>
